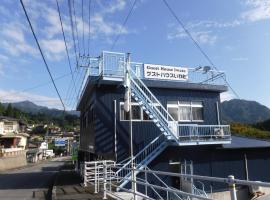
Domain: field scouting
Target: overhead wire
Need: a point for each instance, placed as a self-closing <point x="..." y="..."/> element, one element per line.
<point x="89" y="26"/>
<point x="37" y="86"/>
<point x="76" y="28"/>
<point x="123" y="25"/>
<point x="42" y="55"/>
<point x="83" y="28"/>
<point x="197" y="45"/>
<point x="64" y="37"/>
<point x="72" y="30"/>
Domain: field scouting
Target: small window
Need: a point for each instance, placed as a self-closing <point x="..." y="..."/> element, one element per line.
<point x="184" y="113"/>
<point x="197" y="111"/>
<point x="173" y="109"/>
<point x="136" y="112"/>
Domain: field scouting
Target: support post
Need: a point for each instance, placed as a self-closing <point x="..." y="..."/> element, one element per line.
<point x="84" y="175"/>
<point x="115" y="132"/>
<point x="232" y="187"/>
<point x="104" y="181"/>
<point x="96" y="191"/>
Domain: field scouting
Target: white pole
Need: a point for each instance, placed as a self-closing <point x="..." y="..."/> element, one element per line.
<point x="105" y="181"/>
<point x="232" y="187"/>
<point x="115" y="134"/>
<point x="133" y="177"/>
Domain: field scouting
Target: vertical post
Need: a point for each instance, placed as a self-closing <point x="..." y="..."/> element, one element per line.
<point x="232" y="187"/>
<point x="96" y="177"/>
<point x="218" y="115"/>
<point x="131" y="131"/>
<point x="246" y="166"/>
<point x="145" y="177"/>
<point x="115" y="134"/>
<point x="84" y="175"/>
<point x="105" y="181"/>
<point x="191" y="173"/>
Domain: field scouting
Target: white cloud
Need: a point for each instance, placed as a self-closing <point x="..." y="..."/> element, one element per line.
<point x="226" y="96"/>
<point x="13" y="40"/>
<point x="259" y="10"/>
<point x="54" y="48"/>
<point x="15" y="96"/>
<point x="240" y="59"/>
<point x="203" y="37"/>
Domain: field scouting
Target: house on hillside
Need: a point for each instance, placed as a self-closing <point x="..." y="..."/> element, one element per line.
<point x="12" y="135"/>
<point x="175" y="114"/>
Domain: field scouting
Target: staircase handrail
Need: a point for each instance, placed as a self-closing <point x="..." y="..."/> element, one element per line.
<point x="152" y="96"/>
<point x="129" y="162"/>
<point x="163" y="182"/>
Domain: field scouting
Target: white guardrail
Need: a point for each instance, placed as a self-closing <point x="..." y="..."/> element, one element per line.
<point x="102" y="173"/>
<point x="195" y="132"/>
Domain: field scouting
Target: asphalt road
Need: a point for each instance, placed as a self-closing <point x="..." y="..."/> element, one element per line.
<point x="31" y="182"/>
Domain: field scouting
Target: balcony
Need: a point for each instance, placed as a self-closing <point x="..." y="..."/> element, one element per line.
<point x="194" y="134"/>
<point x="111" y="66"/>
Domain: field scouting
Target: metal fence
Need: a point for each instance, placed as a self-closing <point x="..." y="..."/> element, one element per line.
<point x="195" y="132"/>
<point x="101" y="173"/>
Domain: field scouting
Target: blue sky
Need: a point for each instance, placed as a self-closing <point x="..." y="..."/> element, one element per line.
<point x="235" y="34"/>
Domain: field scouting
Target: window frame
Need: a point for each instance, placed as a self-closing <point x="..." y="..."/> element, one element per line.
<point x="190" y="106"/>
<point x="141" y="113"/>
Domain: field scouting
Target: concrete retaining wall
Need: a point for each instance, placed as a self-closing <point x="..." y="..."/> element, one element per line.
<point x="13" y="162"/>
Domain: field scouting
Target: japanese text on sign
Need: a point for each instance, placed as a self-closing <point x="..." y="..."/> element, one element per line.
<point x="165" y="72"/>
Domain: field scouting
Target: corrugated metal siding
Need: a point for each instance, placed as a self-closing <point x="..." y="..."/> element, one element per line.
<point x="212" y="161"/>
<point x="143" y="132"/>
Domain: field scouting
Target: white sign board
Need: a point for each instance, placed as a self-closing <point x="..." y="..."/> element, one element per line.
<point x="165" y="72"/>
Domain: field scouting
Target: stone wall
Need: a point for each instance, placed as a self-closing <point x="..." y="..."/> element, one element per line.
<point x="13" y="162"/>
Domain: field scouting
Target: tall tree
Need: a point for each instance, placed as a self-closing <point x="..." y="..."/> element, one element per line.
<point x="9" y="111"/>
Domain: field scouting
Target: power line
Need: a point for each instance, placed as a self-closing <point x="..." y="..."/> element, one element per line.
<point x="47" y="67"/>
<point x="64" y="37"/>
<point x="83" y="29"/>
<point x="124" y="24"/>
<point x="39" y="85"/>
<point x="196" y="44"/>
<point x="72" y="30"/>
<point x="89" y="26"/>
<point x="76" y="27"/>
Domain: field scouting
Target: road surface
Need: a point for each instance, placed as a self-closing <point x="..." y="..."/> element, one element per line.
<point x="31" y="182"/>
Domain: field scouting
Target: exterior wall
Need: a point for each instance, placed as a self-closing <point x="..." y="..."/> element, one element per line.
<point x="217" y="162"/>
<point x="100" y="132"/>
<point x="13" y="161"/>
<point x="23" y="142"/>
<point x="1" y="128"/>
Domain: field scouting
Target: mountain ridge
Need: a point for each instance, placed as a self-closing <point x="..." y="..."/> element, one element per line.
<point x="30" y="107"/>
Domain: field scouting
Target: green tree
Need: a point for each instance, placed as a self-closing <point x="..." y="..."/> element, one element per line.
<point x="9" y="111"/>
<point x="2" y="109"/>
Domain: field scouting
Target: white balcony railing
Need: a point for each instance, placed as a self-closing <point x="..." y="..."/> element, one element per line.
<point x="195" y="132"/>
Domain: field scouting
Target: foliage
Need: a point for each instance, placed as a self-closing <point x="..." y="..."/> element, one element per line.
<point x="66" y="121"/>
<point x="249" y="131"/>
<point x="265" y="125"/>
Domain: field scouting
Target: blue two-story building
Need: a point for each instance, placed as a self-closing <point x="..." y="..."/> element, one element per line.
<point x="174" y="115"/>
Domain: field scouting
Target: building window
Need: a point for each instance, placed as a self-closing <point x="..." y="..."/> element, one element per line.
<point x="138" y="114"/>
<point x="172" y="107"/>
<point x="197" y="111"/>
<point x="186" y="111"/>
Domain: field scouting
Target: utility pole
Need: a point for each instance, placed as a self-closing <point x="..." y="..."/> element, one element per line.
<point x="127" y="108"/>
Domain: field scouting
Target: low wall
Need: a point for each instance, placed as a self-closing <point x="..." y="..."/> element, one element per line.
<point x="13" y="161"/>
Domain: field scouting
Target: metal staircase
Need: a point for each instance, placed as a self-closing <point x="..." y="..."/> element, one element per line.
<point x="141" y="159"/>
<point x="160" y="116"/>
<point x="153" y="108"/>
